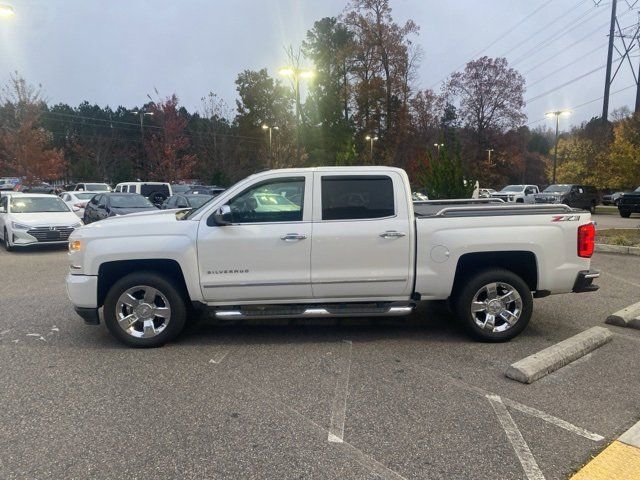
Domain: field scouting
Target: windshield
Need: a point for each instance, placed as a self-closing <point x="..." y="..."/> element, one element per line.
<point x="37" y="204"/>
<point x="197" y="201"/>
<point x="130" y="201"/>
<point x="512" y="188"/>
<point x="558" y="188"/>
<point x="84" y="196"/>
<point x="272" y="199"/>
<point x="96" y="187"/>
<point x="637" y="189"/>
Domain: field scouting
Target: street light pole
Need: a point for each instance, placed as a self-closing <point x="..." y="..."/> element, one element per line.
<point x="296" y="74"/>
<point x="371" y="139"/>
<point x="489" y="150"/>
<point x="438" y="146"/>
<point x="556" y="114"/>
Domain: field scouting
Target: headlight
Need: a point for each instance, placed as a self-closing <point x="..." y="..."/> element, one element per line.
<point x="19" y="226"/>
<point x="75" y="245"/>
<point x="76" y="225"/>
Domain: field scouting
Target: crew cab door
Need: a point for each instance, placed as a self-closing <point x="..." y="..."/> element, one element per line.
<point x="362" y="236"/>
<point x="264" y="254"/>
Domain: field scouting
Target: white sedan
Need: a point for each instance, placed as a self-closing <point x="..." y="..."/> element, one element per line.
<point x="35" y="219"/>
<point x="77" y="201"/>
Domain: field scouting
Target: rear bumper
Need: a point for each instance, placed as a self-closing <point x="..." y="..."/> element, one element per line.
<point x="584" y="281"/>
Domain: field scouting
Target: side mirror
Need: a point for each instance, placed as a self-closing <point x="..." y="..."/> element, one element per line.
<point x="223" y="216"/>
<point x="80" y="190"/>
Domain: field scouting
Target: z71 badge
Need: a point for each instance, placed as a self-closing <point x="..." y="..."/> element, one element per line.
<point x="565" y="218"/>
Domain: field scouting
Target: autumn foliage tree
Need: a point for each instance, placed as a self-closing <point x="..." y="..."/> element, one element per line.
<point x="25" y="143"/>
<point x="167" y="147"/>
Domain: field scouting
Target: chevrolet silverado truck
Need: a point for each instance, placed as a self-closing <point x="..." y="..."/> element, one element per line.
<point x="321" y="242"/>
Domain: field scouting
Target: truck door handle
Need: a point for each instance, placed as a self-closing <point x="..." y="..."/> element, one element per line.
<point x="392" y="234"/>
<point x="293" y="237"/>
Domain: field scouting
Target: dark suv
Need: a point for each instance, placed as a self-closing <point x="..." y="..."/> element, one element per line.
<point x="629" y="203"/>
<point x="576" y="196"/>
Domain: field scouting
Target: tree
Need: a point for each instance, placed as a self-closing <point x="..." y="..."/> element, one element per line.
<point x="442" y="175"/>
<point x="624" y="158"/>
<point x="25" y="143"/>
<point x="167" y="147"/>
<point x="491" y="96"/>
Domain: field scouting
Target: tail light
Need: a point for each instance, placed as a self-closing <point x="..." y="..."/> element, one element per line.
<point x="586" y="240"/>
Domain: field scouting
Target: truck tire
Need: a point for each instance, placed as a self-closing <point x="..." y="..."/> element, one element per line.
<point x="625" y="213"/>
<point x="494" y="305"/>
<point x="144" y="309"/>
<point x="592" y="208"/>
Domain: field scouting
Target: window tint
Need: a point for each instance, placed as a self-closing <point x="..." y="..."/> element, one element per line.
<point x="266" y="202"/>
<point x="352" y="198"/>
<point x="94" y="200"/>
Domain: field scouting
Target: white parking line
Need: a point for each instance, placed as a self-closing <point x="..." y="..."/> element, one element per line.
<point x="528" y="462"/>
<point x="359" y="456"/>
<point x="217" y="359"/>
<point x="558" y="422"/>
<point x="339" y="407"/>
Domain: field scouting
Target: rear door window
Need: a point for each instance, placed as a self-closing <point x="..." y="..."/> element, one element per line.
<point x="346" y="197"/>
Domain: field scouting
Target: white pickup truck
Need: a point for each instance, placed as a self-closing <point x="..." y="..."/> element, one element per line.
<point x="333" y="241"/>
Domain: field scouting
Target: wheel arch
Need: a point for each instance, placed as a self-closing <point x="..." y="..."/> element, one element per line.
<point x="522" y="263"/>
<point x="111" y="272"/>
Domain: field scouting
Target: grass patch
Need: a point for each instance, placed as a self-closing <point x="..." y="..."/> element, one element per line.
<point x="626" y="237"/>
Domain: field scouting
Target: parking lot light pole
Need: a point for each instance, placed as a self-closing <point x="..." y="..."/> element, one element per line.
<point x="489" y="150"/>
<point x="141" y="113"/>
<point x="296" y="74"/>
<point x="371" y="139"/>
<point x="438" y="146"/>
<point x="556" y="114"/>
<point x="267" y="127"/>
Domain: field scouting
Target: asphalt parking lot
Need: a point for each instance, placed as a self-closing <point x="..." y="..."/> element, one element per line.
<point x="349" y="399"/>
<point x="612" y="219"/>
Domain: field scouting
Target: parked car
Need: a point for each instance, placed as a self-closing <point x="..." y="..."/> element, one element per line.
<point x="629" y="203"/>
<point x="212" y="190"/>
<point x="104" y="205"/>
<point x="40" y="187"/>
<point x="92" y="187"/>
<point x="611" y="198"/>
<point x="486" y="192"/>
<point x="517" y="193"/>
<point x="357" y="245"/>
<point x="577" y="196"/>
<point x="30" y="219"/>
<point x="77" y="201"/>
<point x="185" y="201"/>
<point x="419" y="197"/>
<point x="181" y="187"/>
<point x="156" y="192"/>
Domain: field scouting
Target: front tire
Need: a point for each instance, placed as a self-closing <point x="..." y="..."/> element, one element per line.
<point x="7" y="242"/>
<point x="494" y="305"/>
<point x="144" y="310"/>
<point x="625" y="213"/>
<point x="592" y="208"/>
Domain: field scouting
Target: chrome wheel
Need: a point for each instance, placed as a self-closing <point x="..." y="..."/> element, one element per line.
<point x="143" y="311"/>
<point x="496" y="307"/>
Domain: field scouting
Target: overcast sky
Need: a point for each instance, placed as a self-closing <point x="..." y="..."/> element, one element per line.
<point x="115" y="52"/>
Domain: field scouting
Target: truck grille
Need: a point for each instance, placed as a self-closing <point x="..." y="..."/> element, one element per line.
<point x="51" y="234"/>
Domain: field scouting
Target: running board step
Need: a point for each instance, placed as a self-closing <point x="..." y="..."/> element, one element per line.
<point x="310" y="311"/>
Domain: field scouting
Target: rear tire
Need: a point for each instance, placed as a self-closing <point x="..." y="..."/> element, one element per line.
<point x="144" y="310"/>
<point x="625" y="213"/>
<point x="592" y="208"/>
<point x="494" y="305"/>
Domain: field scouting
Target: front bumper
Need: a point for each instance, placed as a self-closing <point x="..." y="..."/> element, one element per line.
<point x="584" y="281"/>
<point x="89" y="315"/>
<point x="83" y="290"/>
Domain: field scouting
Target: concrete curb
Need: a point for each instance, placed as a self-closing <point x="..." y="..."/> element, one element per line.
<point x="604" y="248"/>
<point x="536" y="366"/>
<point x="621" y="459"/>
<point x="627" y="317"/>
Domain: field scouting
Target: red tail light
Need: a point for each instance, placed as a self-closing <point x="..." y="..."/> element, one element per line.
<point x="586" y="240"/>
